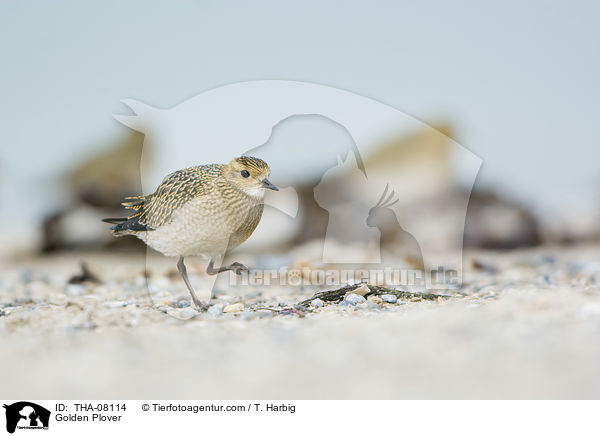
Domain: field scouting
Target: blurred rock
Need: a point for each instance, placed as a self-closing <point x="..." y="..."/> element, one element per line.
<point x="183" y="303"/>
<point x="317" y="302"/>
<point x="572" y="220"/>
<point x="362" y="290"/>
<point x="353" y="299"/>
<point x="418" y="162"/>
<point x="84" y="276"/>
<point x="246" y="316"/>
<point x="216" y="310"/>
<point x="389" y="298"/>
<point x="184" y="314"/>
<point x="496" y="222"/>
<point x="375" y="299"/>
<point x="94" y="190"/>
<point x="233" y="308"/>
<point x="106" y="178"/>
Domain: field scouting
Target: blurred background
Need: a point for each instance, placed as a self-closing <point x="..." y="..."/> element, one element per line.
<point x="514" y="83"/>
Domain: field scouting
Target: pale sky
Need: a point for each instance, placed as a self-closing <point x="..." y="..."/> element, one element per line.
<point x="519" y="81"/>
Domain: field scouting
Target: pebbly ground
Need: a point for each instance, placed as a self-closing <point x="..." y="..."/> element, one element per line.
<point x="525" y="325"/>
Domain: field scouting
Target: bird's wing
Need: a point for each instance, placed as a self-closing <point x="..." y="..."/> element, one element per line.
<point x="176" y="189"/>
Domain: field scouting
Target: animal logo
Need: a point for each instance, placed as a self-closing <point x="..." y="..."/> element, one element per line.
<point x="26" y="415"/>
<point x="384" y="218"/>
<point x="249" y="117"/>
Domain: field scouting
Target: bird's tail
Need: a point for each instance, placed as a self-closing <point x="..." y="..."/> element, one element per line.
<point x="114" y="220"/>
<point x="125" y="226"/>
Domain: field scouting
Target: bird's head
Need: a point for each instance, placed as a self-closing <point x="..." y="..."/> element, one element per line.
<point x="249" y="174"/>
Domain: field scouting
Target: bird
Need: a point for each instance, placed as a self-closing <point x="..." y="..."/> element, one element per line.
<point x="204" y="210"/>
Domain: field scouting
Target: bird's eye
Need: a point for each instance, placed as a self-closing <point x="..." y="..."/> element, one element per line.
<point x="245" y="174"/>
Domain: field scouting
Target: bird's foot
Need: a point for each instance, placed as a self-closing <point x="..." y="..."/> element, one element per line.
<point x="238" y="268"/>
<point x="200" y="306"/>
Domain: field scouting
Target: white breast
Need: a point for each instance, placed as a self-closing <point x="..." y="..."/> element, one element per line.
<point x="195" y="230"/>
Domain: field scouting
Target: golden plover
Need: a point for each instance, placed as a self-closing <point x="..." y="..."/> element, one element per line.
<point x="204" y="210"/>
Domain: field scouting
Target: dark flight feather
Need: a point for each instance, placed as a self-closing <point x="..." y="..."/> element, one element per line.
<point x="127" y="224"/>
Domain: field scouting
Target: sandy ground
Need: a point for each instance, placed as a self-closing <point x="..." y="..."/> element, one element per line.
<point x="526" y="325"/>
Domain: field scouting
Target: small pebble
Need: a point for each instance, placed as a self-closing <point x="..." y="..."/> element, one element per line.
<point x="26" y="275"/>
<point x="59" y="298"/>
<point x="591" y="270"/>
<point x="265" y="313"/>
<point x="317" y="302"/>
<point x="183" y="303"/>
<point x="375" y="299"/>
<point x="544" y="259"/>
<point x="487" y="292"/>
<point x="233" y="308"/>
<point x="354" y="299"/>
<point x="362" y="290"/>
<point x="245" y="316"/>
<point x="75" y="290"/>
<point x="575" y="267"/>
<point x="389" y="298"/>
<point x="187" y="313"/>
<point x="216" y="310"/>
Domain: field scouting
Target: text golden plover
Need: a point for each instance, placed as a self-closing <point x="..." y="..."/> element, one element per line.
<point x="205" y="210"/>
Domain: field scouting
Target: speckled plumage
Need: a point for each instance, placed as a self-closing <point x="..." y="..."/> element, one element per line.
<point x="205" y="210"/>
<point x="197" y="211"/>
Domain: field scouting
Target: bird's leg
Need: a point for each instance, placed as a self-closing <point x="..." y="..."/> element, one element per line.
<point x="183" y="271"/>
<point x="236" y="267"/>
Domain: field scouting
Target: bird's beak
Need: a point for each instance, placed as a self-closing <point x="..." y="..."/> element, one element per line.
<point x="269" y="185"/>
